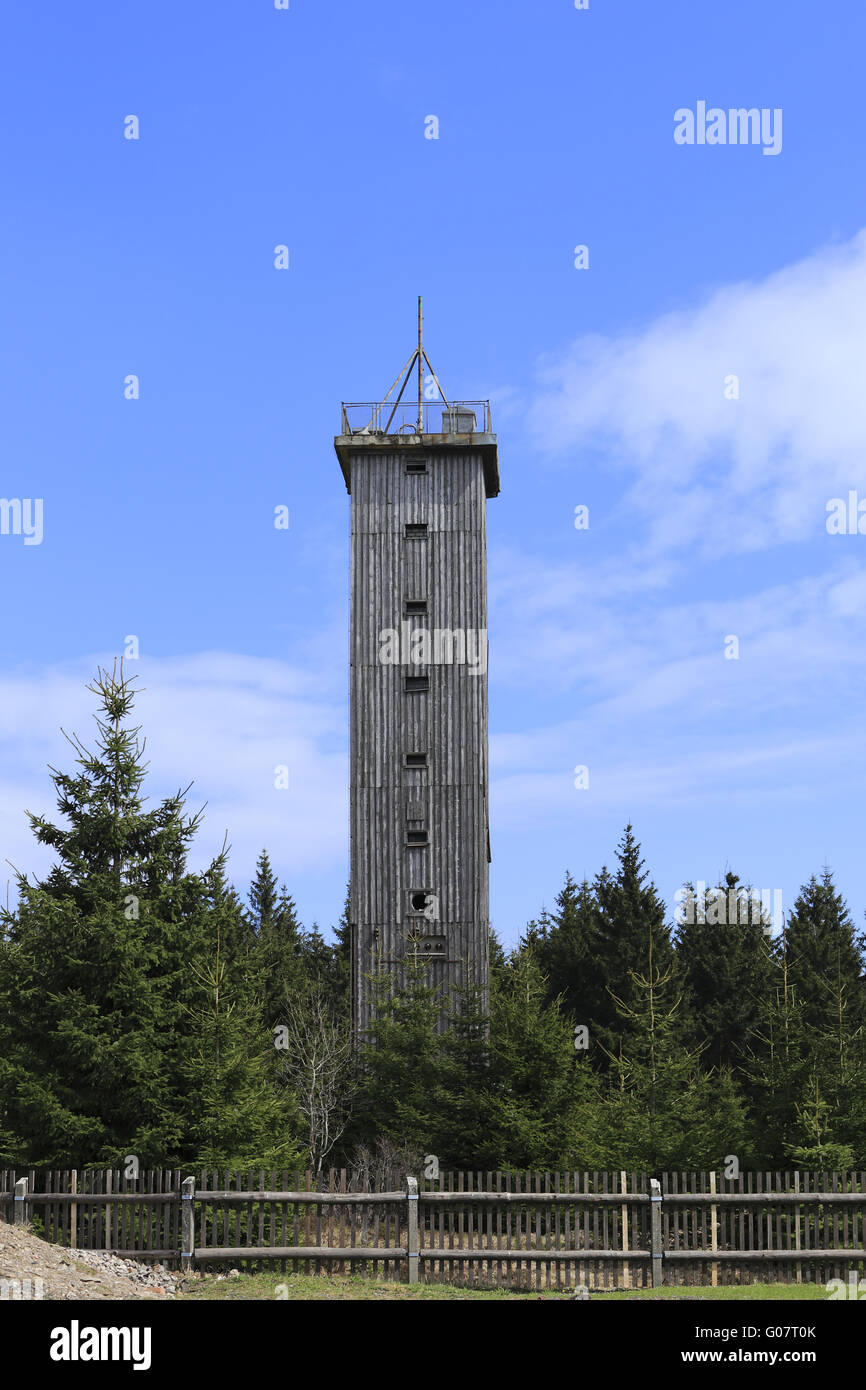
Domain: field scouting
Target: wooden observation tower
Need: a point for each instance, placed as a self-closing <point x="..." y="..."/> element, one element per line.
<point x="419" y="472"/>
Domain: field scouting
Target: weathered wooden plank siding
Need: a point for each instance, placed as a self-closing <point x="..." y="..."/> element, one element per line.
<point x="447" y="567"/>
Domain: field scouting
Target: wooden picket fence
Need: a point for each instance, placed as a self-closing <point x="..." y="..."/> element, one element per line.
<point x="518" y="1230"/>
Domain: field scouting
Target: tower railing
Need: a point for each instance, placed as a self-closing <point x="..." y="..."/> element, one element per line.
<point x="437" y="417"/>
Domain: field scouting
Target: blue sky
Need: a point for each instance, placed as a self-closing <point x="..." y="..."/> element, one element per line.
<point x="306" y="127"/>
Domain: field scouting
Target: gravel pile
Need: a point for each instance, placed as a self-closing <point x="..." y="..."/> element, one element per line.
<point x="31" y="1268"/>
<point x="151" y="1276"/>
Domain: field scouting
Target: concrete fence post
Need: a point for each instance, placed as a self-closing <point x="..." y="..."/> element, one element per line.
<point x="626" y="1272"/>
<point x="714" y="1232"/>
<point x="658" y="1275"/>
<point x="187" y="1210"/>
<point x="73" y="1212"/>
<point x="22" y="1187"/>
<point x="412" y="1227"/>
<point x="109" y="1210"/>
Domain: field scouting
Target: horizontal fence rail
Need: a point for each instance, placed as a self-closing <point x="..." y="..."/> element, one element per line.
<point x="555" y="1230"/>
<point x="464" y="1198"/>
<point x="331" y="1199"/>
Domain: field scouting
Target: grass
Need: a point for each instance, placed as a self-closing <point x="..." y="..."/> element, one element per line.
<point x="810" y="1293"/>
<point x="331" y="1287"/>
<point x="272" y="1287"/>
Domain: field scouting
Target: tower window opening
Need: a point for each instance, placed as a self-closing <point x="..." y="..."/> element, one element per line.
<point x="417" y="837"/>
<point x="414" y="684"/>
<point x="416" y="759"/>
<point x="416" y="530"/>
<point x="416" y="465"/>
<point x="414" y="607"/>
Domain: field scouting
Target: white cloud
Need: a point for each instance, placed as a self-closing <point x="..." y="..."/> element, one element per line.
<point x="631" y="779"/>
<point x="640" y="691"/>
<point x="727" y="474"/>
<point x="630" y="652"/>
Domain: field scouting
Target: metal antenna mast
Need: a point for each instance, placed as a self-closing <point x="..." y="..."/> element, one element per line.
<point x="419" y="356"/>
<point x="420" y="367"/>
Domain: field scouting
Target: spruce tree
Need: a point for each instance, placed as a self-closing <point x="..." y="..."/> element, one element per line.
<point x="317" y="958"/>
<point x="806" y="1057"/>
<point x="239" y="936"/>
<point x="825" y="961"/>
<point x="662" y="1109"/>
<point x="238" y="1115"/>
<point x="341" y="963"/>
<point x="567" y="953"/>
<point x="402" y="1062"/>
<point x="537" y="1106"/>
<point x="776" y="1064"/>
<point x="816" y="1145"/>
<point x="278" y="953"/>
<point x="632" y="930"/>
<point x="263" y="895"/>
<point x="726" y="963"/>
<point x="463" y="1137"/>
<point x="95" y="957"/>
<point x="496" y="955"/>
<point x="106" y="960"/>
